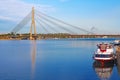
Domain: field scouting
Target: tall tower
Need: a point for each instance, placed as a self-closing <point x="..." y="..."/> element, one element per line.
<point x="33" y="26"/>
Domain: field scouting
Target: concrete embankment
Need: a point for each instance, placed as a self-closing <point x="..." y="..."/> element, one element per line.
<point x="117" y="49"/>
<point x="118" y="58"/>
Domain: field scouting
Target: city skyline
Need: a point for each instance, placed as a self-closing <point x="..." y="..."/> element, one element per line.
<point x="101" y="15"/>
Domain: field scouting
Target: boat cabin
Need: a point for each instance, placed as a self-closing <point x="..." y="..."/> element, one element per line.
<point x="103" y="47"/>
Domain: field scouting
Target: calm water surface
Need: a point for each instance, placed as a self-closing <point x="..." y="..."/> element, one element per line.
<point x="63" y="59"/>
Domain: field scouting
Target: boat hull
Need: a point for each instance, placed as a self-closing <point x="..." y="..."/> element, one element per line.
<point x="101" y="57"/>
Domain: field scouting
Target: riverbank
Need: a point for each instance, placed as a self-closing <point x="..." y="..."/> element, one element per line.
<point x="55" y="36"/>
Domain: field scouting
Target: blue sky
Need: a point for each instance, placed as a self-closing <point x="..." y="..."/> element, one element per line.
<point x="103" y="15"/>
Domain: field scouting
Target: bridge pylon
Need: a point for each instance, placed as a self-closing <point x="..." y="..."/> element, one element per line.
<point x="33" y="26"/>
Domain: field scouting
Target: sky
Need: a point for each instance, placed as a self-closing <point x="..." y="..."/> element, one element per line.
<point x="99" y="16"/>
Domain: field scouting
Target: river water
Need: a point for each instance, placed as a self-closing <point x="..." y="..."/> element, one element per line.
<point x="62" y="59"/>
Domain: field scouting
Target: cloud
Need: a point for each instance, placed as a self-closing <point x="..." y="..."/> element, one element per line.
<point x="15" y="9"/>
<point x="6" y="18"/>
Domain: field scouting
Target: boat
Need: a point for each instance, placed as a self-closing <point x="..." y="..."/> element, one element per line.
<point x="116" y="43"/>
<point x="104" y="52"/>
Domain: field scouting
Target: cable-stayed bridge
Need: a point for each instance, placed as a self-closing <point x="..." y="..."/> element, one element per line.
<point x="47" y="25"/>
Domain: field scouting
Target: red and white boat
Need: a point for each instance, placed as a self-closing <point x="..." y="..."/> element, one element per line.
<point x="104" y="52"/>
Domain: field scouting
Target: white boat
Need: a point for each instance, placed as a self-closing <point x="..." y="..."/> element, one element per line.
<point x="104" y="52"/>
<point x="116" y="42"/>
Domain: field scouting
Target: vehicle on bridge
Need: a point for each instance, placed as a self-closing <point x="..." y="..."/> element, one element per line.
<point x="104" y="52"/>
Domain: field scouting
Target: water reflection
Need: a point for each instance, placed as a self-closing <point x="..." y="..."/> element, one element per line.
<point x="33" y="58"/>
<point x="118" y="58"/>
<point x="103" y="71"/>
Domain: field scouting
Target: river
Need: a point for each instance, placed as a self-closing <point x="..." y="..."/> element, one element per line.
<point x="53" y="59"/>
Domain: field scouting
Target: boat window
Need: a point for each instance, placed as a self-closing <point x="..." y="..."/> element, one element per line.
<point x="103" y="46"/>
<point x="104" y="56"/>
<point x="110" y="46"/>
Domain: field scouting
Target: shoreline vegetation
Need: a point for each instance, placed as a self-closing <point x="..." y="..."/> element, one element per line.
<point x="53" y="36"/>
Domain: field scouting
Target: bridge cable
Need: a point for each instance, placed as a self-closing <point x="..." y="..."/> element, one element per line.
<point x="42" y="26"/>
<point x="70" y="31"/>
<point x="49" y="26"/>
<point x="22" y="23"/>
<point x="64" y="22"/>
